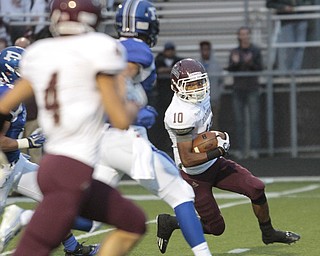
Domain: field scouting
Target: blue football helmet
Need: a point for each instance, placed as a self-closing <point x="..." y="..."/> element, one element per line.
<point x="138" y="18"/>
<point x="9" y="63"/>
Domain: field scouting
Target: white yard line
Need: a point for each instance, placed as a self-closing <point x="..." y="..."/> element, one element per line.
<point x="219" y="195"/>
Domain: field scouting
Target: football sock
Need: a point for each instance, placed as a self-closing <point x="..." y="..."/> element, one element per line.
<point x="82" y="224"/>
<point x="201" y="250"/>
<point x="189" y="224"/>
<point x="70" y="243"/>
<point x="266" y="227"/>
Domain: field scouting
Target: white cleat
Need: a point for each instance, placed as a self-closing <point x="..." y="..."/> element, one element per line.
<point x="10" y="225"/>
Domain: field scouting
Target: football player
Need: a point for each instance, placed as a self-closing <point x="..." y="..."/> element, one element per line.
<point x="20" y="174"/>
<point x="130" y="152"/>
<point x="74" y="79"/>
<point x="189" y="114"/>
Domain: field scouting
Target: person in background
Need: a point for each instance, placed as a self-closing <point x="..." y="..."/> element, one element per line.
<point x="3" y="43"/>
<point x="15" y="11"/>
<point x="246" y="57"/>
<point x="210" y="63"/>
<point x="162" y="94"/>
<point x="188" y="115"/>
<point x="72" y="103"/>
<point x="291" y="31"/>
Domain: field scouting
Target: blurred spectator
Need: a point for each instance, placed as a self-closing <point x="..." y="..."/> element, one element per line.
<point x="40" y="7"/>
<point x="163" y="94"/>
<point x="12" y="7"/>
<point x="246" y="57"/>
<point x="22" y="42"/>
<point x="213" y="68"/>
<point x="291" y="31"/>
<point x="4" y="34"/>
<point x="3" y="43"/>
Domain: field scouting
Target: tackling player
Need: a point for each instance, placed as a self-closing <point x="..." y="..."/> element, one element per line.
<point x="73" y="77"/>
<point x="189" y="114"/>
<point x="130" y="152"/>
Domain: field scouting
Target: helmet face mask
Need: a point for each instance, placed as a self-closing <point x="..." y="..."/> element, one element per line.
<point x="190" y="81"/>
<point x="9" y="63"/>
<point x="74" y="17"/>
<point x="137" y="18"/>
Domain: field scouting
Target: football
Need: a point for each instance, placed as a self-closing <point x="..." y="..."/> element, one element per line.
<point x="204" y="142"/>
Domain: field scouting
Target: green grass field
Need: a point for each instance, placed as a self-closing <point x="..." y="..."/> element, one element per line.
<point x="294" y="206"/>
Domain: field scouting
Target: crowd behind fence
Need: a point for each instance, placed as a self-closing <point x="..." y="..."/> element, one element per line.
<point x="290" y="119"/>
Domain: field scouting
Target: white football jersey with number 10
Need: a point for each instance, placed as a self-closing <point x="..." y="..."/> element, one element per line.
<point x="182" y="117"/>
<point x="63" y="73"/>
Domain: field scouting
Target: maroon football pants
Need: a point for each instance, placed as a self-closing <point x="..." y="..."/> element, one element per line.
<point x="223" y="174"/>
<point x="68" y="191"/>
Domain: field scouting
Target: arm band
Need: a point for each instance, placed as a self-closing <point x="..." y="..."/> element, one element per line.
<point x="23" y="143"/>
<point x="212" y="154"/>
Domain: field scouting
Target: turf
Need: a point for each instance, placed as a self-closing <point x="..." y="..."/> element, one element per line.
<point x="291" y="209"/>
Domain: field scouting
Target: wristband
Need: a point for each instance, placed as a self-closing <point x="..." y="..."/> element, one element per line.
<point x="212" y="154"/>
<point x="23" y="143"/>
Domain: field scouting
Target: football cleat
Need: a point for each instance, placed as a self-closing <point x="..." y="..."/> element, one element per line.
<point x="278" y="236"/>
<point x="83" y="250"/>
<point x="164" y="231"/>
<point x="10" y="225"/>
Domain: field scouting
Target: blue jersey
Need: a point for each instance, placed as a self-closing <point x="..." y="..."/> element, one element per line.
<point x="140" y="53"/>
<point x="17" y="124"/>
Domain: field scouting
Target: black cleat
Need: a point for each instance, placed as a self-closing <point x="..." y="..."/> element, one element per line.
<point x="278" y="236"/>
<point x="164" y="231"/>
<point x="83" y="250"/>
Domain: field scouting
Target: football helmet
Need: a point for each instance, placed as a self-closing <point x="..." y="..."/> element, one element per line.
<point x="9" y="63"/>
<point x="138" y="18"/>
<point x="71" y="17"/>
<point x="189" y="80"/>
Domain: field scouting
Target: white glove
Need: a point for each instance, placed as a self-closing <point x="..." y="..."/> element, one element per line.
<point x="224" y="144"/>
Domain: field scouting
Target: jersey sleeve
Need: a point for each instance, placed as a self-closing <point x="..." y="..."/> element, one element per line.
<point x="111" y="58"/>
<point x="138" y="52"/>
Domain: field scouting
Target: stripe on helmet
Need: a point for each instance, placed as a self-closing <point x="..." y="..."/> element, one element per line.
<point x="125" y="15"/>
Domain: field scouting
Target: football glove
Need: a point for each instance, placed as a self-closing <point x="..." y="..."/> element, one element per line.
<point x="223" y="144"/>
<point x="35" y="140"/>
<point x="146" y="116"/>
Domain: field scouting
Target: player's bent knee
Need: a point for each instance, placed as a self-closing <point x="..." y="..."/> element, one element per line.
<point x="215" y="227"/>
<point x="177" y="192"/>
